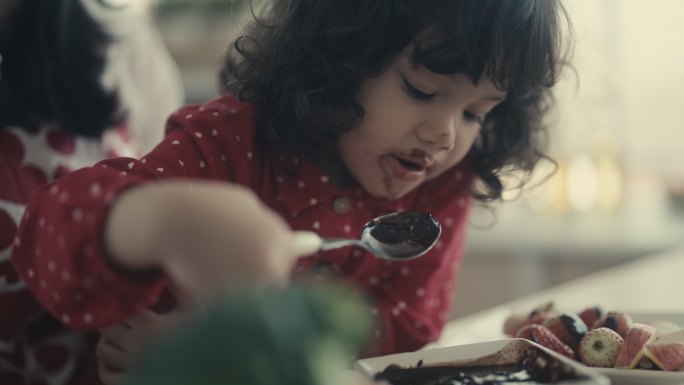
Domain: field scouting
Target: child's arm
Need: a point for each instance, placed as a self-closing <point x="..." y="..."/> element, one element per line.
<point x="93" y="246"/>
<point x="211" y="238"/>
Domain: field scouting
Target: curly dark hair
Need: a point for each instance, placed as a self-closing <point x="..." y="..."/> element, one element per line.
<point x="304" y="63"/>
<point x="53" y="57"/>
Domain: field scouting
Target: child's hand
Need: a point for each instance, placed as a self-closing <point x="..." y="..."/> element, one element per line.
<point x="120" y="346"/>
<point x="211" y="238"/>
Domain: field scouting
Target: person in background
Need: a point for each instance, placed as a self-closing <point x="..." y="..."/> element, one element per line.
<point x="334" y="113"/>
<point x="80" y="81"/>
<point x="139" y="67"/>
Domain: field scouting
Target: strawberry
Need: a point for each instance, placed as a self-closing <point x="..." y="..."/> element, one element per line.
<point x="543" y="336"/>
<point x="591" y="314"/>
<point x="539" y="314"/>
<point x="667" y="351"/>
<point x="638" y="336"/>
<point x="525" y="332"/>
<point x="615" y="320"/>
<point x="600" y="347"/>
<point x="568" y="327"/>
<point x="513" y="323"/>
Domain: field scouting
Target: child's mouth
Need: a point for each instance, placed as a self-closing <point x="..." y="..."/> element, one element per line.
<point x="412" y="166"/>
<point x="404" y="169"/>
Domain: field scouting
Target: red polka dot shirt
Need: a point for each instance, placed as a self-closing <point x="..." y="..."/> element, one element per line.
<point x="59" y="250"/>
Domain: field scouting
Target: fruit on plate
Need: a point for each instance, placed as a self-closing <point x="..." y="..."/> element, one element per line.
<point x="568" y="327"/>
<point x="538" y="315"/>
<point x="615" y="320"/>
<point x="600" y="347"/>
<point x="667" y="352"/>
<point x="513" y="323"/>
<point x="542" y="312"/>
<point x="653" y="344"/>
<point x="645" y="363"/>
<point x="591" y="314"/>
<point x="637" y="337"/>
<point x="543" y="336"/>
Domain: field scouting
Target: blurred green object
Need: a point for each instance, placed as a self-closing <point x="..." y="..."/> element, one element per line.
<point x="301" y="336"/>
<point x="201" y="6"/>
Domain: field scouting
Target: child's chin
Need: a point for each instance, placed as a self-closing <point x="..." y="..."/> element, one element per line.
<point x="390" y="190"/>
<point x="393" y="195"/>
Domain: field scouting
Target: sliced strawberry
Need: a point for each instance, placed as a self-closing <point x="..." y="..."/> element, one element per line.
<point x="568" y="327"/>
<point x="513" y="323"/>
<point x="543" y="336"/>
<point x="634" y="347"/>
<point x="525" y="332"/>
<point x="615" y="320"/>
<point x="667" y="352"/>
<point x="591" y="314"/>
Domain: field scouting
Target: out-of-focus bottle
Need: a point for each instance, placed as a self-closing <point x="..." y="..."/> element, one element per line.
<point x="609" y="170"/>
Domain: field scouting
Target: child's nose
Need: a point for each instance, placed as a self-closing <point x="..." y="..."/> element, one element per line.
<point x="439" y="133"/>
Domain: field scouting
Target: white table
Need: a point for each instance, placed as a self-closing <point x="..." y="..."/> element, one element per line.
<point x="652" y="283"/>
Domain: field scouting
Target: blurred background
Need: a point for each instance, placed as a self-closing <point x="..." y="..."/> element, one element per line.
<point x="617" y="192"/>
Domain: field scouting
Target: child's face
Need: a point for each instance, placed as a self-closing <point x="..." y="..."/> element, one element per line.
<point x="417" y="124"/>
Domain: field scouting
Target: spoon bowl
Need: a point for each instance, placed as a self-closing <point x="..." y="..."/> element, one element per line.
<point x="397" y="236"/>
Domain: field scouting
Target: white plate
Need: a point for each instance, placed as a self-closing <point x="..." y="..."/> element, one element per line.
<point x="642" y="377"/>
<point x="371" y="366"/>
<point x="647" y="377"/>
<point x="648" y="317"/>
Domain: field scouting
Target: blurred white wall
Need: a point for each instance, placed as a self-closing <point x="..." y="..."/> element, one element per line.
<point x="630" y="66"/>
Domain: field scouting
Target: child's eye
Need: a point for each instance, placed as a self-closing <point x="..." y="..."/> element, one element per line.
<point x="473" y="117"/>
<point x="415" y="92"/>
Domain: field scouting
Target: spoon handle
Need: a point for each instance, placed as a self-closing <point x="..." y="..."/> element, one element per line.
<point x="334" y="243"/>
<point x="308" y="242"/>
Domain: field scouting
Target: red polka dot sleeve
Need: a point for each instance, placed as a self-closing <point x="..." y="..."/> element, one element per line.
<point x="59" y="251"/>
<point x="59" y="255"/>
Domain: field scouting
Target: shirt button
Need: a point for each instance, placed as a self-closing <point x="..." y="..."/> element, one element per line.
<point x="325" y="269"/>
<point x="341" y="205"/>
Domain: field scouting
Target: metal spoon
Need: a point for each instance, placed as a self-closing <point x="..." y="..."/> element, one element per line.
<point x="396" y="236"/>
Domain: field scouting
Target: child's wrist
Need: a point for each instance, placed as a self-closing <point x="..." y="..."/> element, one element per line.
<point x="134" y="230"/>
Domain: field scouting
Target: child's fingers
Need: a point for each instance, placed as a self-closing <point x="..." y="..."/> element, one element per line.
<point x="186" y="302"/>
<point x="110" y="375"/>
<point x="112" y="355"/>
<point x="141" y="321"/>
<point x="149" y="325"/>
<point x="116" y="334"/>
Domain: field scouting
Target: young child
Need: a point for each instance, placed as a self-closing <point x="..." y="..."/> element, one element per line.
<point x="336" y="112"/>
<point x="67" y="100"/>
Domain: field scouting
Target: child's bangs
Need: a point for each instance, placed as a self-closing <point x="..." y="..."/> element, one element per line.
<point x="512" y="45"/>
